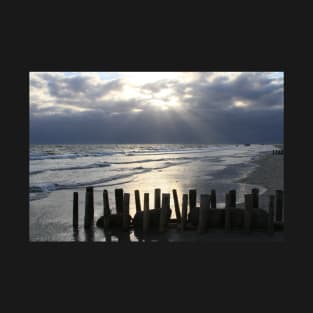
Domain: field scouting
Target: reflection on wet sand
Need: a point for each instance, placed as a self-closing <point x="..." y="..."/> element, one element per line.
<point x="76" y="234"/>
<point x="152" y="236"/>
<point x="116" y="235"/>
<point x="89" y="234"/>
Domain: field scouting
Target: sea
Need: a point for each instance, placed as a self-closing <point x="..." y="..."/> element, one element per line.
<point x="56" y="171"/>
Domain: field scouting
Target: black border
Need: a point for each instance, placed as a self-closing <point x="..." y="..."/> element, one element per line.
<point x="263" y="276"/>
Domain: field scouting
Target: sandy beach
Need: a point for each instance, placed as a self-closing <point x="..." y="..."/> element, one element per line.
<point x="51" y="218"/>
<point x="269" y="174"/>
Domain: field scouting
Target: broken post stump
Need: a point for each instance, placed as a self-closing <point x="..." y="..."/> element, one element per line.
<point x="192" y="199"/>
<point x="176" y="204"/>
<point x="75" y="209"/>
<point x="213" y="198"/>
<point x="89" y="208"/>
<point x="164" y="211"/>
<point x="255" y="197"/>
<point x="203" y="213"/>
<point x="270" y="223"/>
<point x="227" y="213"/>
<point x="157" y="198"/>
<point x="232" y="200"/>
<point x="279" y="206"/>
<point x="106" y="209"/>
<point x="119" y="200"/>
<point x="248" y="212"/>
<point x="126" y="211"/>
<point x="137" y="201"/>
<point x="193" y="216"/>
<point x="146" y="212"/>
<point x="184" y="212"/>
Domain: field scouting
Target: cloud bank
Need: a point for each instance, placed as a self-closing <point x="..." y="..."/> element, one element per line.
<point x="186" y="107"/>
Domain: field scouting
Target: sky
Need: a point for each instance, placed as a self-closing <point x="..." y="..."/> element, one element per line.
<point x="156" y="107"/>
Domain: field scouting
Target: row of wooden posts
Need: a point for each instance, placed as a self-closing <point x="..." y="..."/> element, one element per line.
<point x="200" y="218"/>
<point x="280" y="151"/>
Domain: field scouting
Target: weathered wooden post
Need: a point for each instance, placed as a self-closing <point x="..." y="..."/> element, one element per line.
<point x="75" y="209"/>
<point x="192" y="198"/>
<point x="184" y="212"/>
<point x="164" y="211"/>
<point x="89" y="208"/>
<point x="279" y="205"/>
<point x="227" y="213"/>
<point x="168" y="205"/>
<point x="255" y="197"/>
<point x="106" y="209"/>
<point x="126" y="211"/>
<point x="157" y="198"/>
<point x="137" y="200"/>
<point x="270" y="223"/>
<point x="146" y="212"/>
<point x="232" y="195"/>
<point x="248" y="212"/>
<point x="203" y="213"/>
<point x="119" y="200"/>
<point x="177" y="209"/>
<point x="213" y="199"/>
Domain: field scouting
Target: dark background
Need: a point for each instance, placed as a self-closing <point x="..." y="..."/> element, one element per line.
<point x="174" y="277"/>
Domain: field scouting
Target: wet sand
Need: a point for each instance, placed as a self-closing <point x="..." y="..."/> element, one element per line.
<point x="53" y="222"/>
<point x="269" y="174"/>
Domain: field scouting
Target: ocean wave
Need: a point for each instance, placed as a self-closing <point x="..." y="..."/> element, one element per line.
<point x="50" y="154"/>
<point x="48" y="187"/>
<point x="94" y="165"/>
<point x="156" y="151"/>
<point x="106" y="164"/>
<point x="45" y="156"/>
<point x="155" y="160"/>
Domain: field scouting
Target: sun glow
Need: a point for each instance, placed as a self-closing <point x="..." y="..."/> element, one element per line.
<point x="241" y="104"/>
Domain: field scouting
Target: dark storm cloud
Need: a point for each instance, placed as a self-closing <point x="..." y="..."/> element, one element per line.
<point x="83" y="109"/>
<point x="255" y="127"/>
<point x="259" y="91"/>
<point x="82" y="86"/>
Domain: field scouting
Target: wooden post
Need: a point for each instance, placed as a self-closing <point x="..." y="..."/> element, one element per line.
<point x="232" y="195"/>
<point x="146" y="212"/>
<point x="137" y="200"/>
<point x="227" y="213"/>
<point x="247" y="213"/>
<point x="89" y="208"/>
<point x="157" y="198"/>
<point x="255" y="197"/>
<point x="270" y="224"/>
<point x="106" y="209"/>
<point x="167" y="206"/>
<point x="213" y="199"/>
<point x="119" y="200"/>
<point x="192" y="199"/>
<point x="203" y="213"/>
<point x="126" y="211"/>
<point x="164" y="211"/>
<point x="279" y="205"/>
<point x="177" y="209"/>
<point x="75" y="209"/>
<point x="184" y="212"/>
